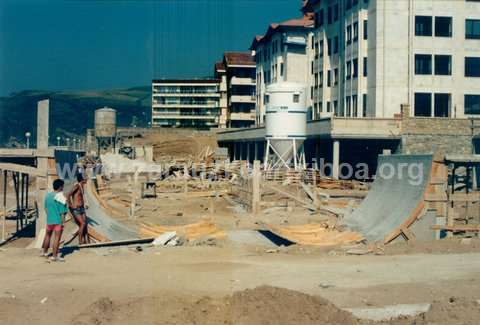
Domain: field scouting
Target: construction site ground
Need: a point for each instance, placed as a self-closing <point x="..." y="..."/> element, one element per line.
<point x="172" y="285"/>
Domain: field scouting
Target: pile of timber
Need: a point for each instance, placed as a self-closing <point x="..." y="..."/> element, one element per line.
<point x="315" y="235"/>
<point x="202" y="229"/>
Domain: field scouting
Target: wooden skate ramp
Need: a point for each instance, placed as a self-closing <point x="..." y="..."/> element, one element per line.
<point x="396" y="198"/>
<point x="314" y="235"/>
<point x="203" y="229"/>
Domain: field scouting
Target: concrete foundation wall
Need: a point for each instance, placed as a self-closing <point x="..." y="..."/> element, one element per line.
<point x="422" y="135"/>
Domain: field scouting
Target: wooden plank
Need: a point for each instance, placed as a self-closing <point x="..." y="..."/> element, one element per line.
<point x="457" y="228"/>
<point x="463" y="197"/>
<point x="119" y="243"/>
<point x="21" y="169"/>
<point x="291" y="196"/>
<point x="410" y="220"/>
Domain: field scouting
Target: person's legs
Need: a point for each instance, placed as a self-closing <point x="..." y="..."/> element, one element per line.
<point x="85" y="230"/>
<point x="80" y="221"/>
<point x="56" y="241"/>
<point x="46" y="241"/>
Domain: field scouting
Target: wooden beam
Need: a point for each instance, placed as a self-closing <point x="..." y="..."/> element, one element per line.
<point x="457" y="228"/>
<point x="291" y="196"/>
<point x="119" y="243"/>
<point x="21" y="169"/>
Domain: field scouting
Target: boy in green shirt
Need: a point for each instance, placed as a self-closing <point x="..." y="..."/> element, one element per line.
<point x="56" y="209"/>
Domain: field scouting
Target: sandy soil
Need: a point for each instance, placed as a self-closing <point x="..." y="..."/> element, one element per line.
<point x="166" y="285"/>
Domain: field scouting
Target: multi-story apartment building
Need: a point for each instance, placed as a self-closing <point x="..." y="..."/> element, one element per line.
<point x="191" y="103"/>
<point x="220" y="74"/>
<point x="281" y="55"/>
<point x="240" y="76"/>
<point x="371" y="56"/>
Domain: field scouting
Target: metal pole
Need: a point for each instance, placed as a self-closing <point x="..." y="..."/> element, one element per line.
<point x="5" y="175"/>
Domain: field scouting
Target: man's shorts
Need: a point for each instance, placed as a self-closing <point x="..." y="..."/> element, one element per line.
<point x="54" y="227"/>
<point x="78" y="211"/>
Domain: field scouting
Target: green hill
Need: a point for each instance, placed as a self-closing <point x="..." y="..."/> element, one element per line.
<point x="71" y="113"/>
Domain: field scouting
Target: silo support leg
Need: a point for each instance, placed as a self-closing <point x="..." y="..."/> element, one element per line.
<point x="336" y="159"/>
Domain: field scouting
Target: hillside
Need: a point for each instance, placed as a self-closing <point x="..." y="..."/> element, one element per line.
<point x="71" y="113"/>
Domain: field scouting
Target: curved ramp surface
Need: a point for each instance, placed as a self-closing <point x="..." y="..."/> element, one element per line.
<point x="103" y="223"/>
<point x="396" y="194"/>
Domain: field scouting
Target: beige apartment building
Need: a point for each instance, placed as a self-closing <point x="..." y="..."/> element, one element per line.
<point x="371" y="56"/>
<point x="189" y="103"/>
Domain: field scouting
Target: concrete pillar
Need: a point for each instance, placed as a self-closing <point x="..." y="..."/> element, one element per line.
<point x="336" y="159"/>
<point x="42" y="164"/>
<point x="247" y="146"/>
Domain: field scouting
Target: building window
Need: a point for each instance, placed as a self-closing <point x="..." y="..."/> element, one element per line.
<point x="348" y="4"/>
<point x="316" y="80"/>
<point x="321" y="48"/>
<point x="423" y="104"/>
<point x="329" y="15"/>
<point x="335" y="76"/>
<point x="355" y="31"/>
<point x="329" y="78"/>
<point x="348" y="106"/>
<point x="365" y="29"/>
<point x="472" y="67"/>
<point x="355" y="68"/>
<point x="335" y="107"/>
<point x="266" y="99"/>
<point x="443" y="65"/>
<point x="311" y="92"/>
<point x="329" y="46"/>
<point x="311" y="68"/>
<point x="313" y="42"/>
<point x="321" y="79"/>
<point x="423" y="25"/>
<point x="321" y="107"/>
<point x="472" y="104"/>
<point x="442" y="105"/>
<point x="423" y="64"/>
<point x="348" y="70"/>
<point x="296" y="98"/>
<point x="328" y="107"/>
<point x="335" y="45"/>
<point x="364" y="105"/>
<point x="472" y="29"/>
<point x="281" y="69"/>
<point x="355" y="106"/>
<point x="365" y="66"/>
<point x="349" y="34"/>
<point x="443" y="26"/>
<point x="335" y="12"/>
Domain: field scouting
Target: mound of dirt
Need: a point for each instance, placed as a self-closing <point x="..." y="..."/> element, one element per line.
<point x="263" y="306"/>
<point x="458" y="311"/>
<point x="268" y="305"/>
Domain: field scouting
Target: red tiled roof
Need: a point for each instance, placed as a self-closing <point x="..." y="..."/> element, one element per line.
<point x="304" y="22"/>
<point x="239" y="58"/>
<point x="219" y="66"/>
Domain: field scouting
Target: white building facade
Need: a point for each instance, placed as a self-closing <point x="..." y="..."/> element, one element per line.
<point x="193" y="103"/>
<point x="370" y="56"/>
<point x="281" y="55"/>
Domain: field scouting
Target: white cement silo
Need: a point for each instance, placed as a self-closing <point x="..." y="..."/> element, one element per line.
<point x="285" y="125"/>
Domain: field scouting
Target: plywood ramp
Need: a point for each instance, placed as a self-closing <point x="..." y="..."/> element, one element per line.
<point x="315" y="235"/>
<point x="203" y="228"/>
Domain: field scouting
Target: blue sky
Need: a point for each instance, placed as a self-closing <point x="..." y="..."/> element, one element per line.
<point x="106" y="44"/>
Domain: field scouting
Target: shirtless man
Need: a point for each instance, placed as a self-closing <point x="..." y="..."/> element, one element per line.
<point x="76" y="203"/>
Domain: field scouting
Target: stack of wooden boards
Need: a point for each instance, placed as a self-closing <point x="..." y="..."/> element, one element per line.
<point x="202" y="229"/>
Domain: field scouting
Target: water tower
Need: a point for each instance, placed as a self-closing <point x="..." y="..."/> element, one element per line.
<point x="105" y="129"/>
<point x="286" y="125"/>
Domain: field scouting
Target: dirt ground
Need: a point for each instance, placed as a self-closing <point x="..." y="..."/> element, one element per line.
<point x="193" y="285"/>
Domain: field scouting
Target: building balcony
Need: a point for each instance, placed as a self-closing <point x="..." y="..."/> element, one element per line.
<point x="237" y="81"/>
<point x="212" y="94"/>
<point x="242" y="116"/>
<point x="243" y="99"/>
<point x="180" y="105"/>
<point x="168" y="116"/>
